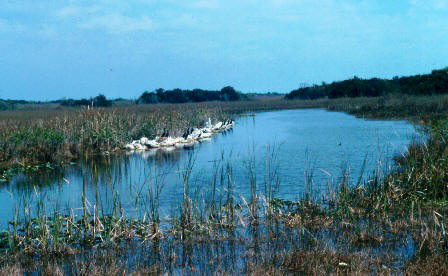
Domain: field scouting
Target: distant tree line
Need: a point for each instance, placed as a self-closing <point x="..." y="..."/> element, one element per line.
<point x="160" y="95"/>
<point x="11" y="104"/>
<point x="428" y="84"/>
<point x="98" y="101"/>
<point x="227" y="93"/>
<point x="265" y="95"/>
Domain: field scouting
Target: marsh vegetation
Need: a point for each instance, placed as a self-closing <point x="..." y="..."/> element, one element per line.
<point x="391" y="221"/>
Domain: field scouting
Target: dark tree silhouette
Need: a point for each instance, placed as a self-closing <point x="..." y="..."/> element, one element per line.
<point x="98" y="101"/>
<point x="429" y="84"/>
<point x="177" y="95"/>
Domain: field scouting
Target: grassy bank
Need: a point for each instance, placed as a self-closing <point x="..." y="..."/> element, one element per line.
<point x="414" y="108"/>
<point x="38" y="136"/>
<point x="60" y="134"/>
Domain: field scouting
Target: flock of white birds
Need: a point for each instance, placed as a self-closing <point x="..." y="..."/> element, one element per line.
<point x="188" y="140"/>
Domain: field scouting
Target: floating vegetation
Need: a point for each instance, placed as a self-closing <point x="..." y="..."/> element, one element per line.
<point x="7" y="173"/>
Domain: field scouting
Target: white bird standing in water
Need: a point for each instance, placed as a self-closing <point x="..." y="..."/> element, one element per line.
<point x="208" y="124"/>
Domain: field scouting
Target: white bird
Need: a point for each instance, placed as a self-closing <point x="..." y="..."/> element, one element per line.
<point x="208" y="124"/>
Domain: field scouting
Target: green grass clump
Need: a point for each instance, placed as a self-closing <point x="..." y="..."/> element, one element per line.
<point x="40" y="136"/>
<point x="35" y="144"/>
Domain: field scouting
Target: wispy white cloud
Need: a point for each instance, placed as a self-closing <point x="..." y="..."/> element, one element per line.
<point x="206" y="4"/>
<point x="441" y="4"/>
<point x="11" y="27"/>
<point x="116" y="23"/>
<point x="75" y="11"/>
<point x="68" y="11"/>
<point x="430" y="4"/>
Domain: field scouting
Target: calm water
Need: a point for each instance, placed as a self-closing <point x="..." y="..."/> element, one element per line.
<point x="304" y="142"/>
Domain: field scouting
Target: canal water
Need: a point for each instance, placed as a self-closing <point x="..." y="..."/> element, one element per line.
<point x="294" y="151"/>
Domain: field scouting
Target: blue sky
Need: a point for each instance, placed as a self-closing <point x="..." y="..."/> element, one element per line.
<point x="50" y="49"/>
